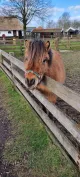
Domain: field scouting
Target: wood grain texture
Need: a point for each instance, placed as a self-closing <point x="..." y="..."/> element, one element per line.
<point x="59" y="115"/>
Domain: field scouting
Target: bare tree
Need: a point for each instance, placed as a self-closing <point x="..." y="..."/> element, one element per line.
<point x="64" y="21"/>
<point x="25" y="10"/>
<point x="51" y="24"/>
<point x="75" y="24"/>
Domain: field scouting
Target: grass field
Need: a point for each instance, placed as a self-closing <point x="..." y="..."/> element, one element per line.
<point x="28" y="149"/>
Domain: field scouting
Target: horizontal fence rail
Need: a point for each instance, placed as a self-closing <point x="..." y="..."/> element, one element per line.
<point x="57" y="43"/>
<point x="12" y="68"/>
<point x="70" y="125"/>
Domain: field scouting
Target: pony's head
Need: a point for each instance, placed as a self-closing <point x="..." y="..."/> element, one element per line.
<point x="37" y="56"/>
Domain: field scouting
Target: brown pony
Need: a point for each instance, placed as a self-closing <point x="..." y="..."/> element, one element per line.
<point x="40" y="61"/>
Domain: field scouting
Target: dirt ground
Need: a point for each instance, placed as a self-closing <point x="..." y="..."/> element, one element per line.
<point x="72" y="67"/>
<point x="4" y="133"/>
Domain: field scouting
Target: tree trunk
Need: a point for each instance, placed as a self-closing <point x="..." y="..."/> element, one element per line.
<point x="24" y="20"/>
<point x="24" y="29"/>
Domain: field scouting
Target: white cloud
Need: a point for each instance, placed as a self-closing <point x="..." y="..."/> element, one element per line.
<point x="74" y="8"/>
<point x="56" y="10"/>
<point x="75" y="17"/>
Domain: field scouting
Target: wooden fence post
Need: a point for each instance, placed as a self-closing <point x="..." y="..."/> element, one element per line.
<point x="13" y="77"/>
<point x="11" y="53"/>
<point x="56" y="44"/>
<point x="14" y="41"/>
<point x="1" y="58"/>
<point x="21" y="48"/>
<point x="68" y="43"/>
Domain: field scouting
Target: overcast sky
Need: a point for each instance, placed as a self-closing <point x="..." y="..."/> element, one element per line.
<point x="58" y="7"/>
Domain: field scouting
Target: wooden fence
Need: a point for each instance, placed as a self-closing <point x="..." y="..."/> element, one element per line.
<point x="56" y="43"/>
<point x="62" y="127"/>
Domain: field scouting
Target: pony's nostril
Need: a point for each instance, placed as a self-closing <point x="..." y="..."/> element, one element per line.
<point x="27" y="81"/>
<point x="32" y="82"/>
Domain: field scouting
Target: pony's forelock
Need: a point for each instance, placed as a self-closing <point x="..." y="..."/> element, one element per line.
<point x="36" y="49"/>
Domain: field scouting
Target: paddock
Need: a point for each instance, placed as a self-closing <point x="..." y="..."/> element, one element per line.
<point x="18" y="45"/>
<point x="66" y="132"/>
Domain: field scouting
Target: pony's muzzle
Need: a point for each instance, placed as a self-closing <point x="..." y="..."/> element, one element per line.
<point x="30" y="82"/>
<point x="32" y="79"/>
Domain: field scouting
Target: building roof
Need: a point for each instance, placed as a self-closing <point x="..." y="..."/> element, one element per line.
<point x="10" y="24"/>
<point x="71" y="29"/>
<point x="40" y="30"/>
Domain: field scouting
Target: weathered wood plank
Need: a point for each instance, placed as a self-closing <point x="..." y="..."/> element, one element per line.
<point x="0" y="56"/>
<point x="60" y="136"/>
<point x="62" y="118"/>
<point x="7" y="65"/>
<point x="6" y="71"/>
<point x="14" y="60"/>
<point x="66" y="94"/>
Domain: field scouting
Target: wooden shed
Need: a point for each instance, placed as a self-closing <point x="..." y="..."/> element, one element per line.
<point x="47" y="33"/>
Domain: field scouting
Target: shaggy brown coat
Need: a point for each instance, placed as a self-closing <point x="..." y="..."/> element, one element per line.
<point x="41" y="60"/>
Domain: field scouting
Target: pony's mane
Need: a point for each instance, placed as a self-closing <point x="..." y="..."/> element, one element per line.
<point x="36" y="49"/>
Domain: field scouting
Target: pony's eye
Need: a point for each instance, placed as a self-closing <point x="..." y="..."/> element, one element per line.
<point x="45" y="60"/>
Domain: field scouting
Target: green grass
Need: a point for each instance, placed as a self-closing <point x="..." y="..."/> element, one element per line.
<point x="29" y="146"/>
<point x="74" y="45"/>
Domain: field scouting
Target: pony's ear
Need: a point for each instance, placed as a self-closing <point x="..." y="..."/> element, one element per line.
<point x="47" y="44"/>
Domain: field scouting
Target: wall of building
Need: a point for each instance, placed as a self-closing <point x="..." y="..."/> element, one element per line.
<point x="47" y="34"/>
<point x="17" y="34"/>
<point x="7" y="34"/>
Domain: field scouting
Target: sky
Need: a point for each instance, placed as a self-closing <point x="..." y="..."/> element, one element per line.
<point x="57" y="9"/>
<point x="61" y="6"/>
